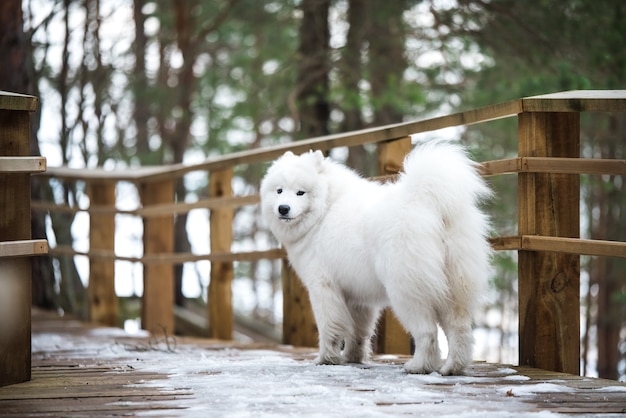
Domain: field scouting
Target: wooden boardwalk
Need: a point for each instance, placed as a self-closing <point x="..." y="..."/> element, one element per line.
<point x="81" y="370"/>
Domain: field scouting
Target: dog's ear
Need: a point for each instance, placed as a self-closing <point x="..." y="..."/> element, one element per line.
<point x="289" y="154"/>
<point x="319" y="156"/>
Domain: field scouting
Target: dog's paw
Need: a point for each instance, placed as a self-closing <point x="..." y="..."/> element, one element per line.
<point x="327" y="360"/>
<point x="356" y="358"/>
<point x="452" y="368"/>
<point x="419" y="366"/>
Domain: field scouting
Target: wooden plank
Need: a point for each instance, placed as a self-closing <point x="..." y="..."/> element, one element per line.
<point x="209" y="203"/>
<point x="173" y="258"/>
<point x="506" y="243"/>
<point x="299" y="326"/>
<point x="103" y="305"/>
<point x="549" y="283"/>
<point x="574" y="101"/>
<point x="574" y="246"/>
<point x="16" y="101"/>
<point x="577" y="101"/>
<point x="132" y="175"/>
<point x="157" y="306"/>
<point x="220" y="297"/>
<point x="497" y="167"/>
<point x="155" y="210"/>
<point x="573" y="165"/>
<point x="487" y="168"/>
<point x="23" y="248"/>
<point x="391" y="336"/>
<point x="22" y="164"/>
<point x="553" y="165"/>
<point x="560" y="244"/>
<point x="347" y="139"/>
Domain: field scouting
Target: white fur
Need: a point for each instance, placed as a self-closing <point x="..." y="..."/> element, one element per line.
<point x="418" y="245"/>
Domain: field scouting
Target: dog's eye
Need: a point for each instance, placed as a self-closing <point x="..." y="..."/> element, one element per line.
<point x="299" y="193"/>
<point x="279" y="191"/>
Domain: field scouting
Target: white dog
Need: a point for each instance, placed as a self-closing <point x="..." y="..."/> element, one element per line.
<point x="418" y="245"/>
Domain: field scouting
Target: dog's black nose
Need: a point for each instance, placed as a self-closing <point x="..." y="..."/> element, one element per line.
<point x="284" y="209"/>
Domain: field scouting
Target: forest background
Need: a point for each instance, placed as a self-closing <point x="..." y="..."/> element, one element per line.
<point x="125" y="83"/>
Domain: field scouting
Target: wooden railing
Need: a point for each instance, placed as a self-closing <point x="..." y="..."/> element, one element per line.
<point x="548" y="168"/>
<point x="16" y="245"/>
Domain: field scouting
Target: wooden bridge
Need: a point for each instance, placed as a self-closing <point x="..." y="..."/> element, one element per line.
<point x="548" y="168"/>
<point x="84" y="370"/>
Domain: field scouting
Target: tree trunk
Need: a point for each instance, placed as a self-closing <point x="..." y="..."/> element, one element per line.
<point x="312" y="88"/>
<point x="386" y="59"/>
<point x="351" y="72"/>
<point x="141" y="111"/>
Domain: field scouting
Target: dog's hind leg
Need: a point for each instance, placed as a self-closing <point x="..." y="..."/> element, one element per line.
<point x="420" y="321"/>
<point x="358" y="347"/>
<point x="457" y="325"/>
<point x="427" y="356"/>
<point x="334" y="321"/>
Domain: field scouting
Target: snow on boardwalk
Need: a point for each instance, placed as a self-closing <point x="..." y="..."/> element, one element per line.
<point x="79" y="370"/>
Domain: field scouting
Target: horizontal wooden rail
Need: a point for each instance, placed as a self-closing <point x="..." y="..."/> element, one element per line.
<point x="324" y="143"/>
<point x="209" y="203"/>
<point x="153" y="210"/>
<point x="573" y="166"/>
<point x="22" y="164"/>
<point x="574" y="246"/>
<point x="507" y="243"/>
<point x="172" y="258"/>
<point x="571" y="101"/>
<point x="488" y="168"/>
<point x="560" y="245"/>
<point x="23" y="248"/>
<point x="553" y="165"/>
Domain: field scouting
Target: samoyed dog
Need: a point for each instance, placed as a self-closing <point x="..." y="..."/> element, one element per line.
<point x="418" y="245"/>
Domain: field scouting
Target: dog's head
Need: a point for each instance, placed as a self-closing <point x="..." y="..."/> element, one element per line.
<point x="293" y="194"/>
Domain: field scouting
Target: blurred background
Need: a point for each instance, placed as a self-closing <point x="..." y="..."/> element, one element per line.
<point x="127" y="83"/>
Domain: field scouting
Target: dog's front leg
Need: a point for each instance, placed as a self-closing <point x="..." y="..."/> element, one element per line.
<point x="334" y="322"/>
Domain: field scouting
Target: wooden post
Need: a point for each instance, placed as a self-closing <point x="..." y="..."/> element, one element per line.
<point x="101" y="292"/>
<point x="299" y="327"/>
<point x="549" y="283"/>
<point x="391" y="335"/>
<point x="16" y="275"/>
<point x="220" y="297"/>
<point x="157" y="307"/>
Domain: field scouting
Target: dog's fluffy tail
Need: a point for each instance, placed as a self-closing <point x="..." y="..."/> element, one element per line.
<point x="443" y="173"/>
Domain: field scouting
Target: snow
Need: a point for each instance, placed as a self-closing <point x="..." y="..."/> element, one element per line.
<point x="243" y="382"/>
<point x="517" y="378"/>
<point x="229" y="379"/>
